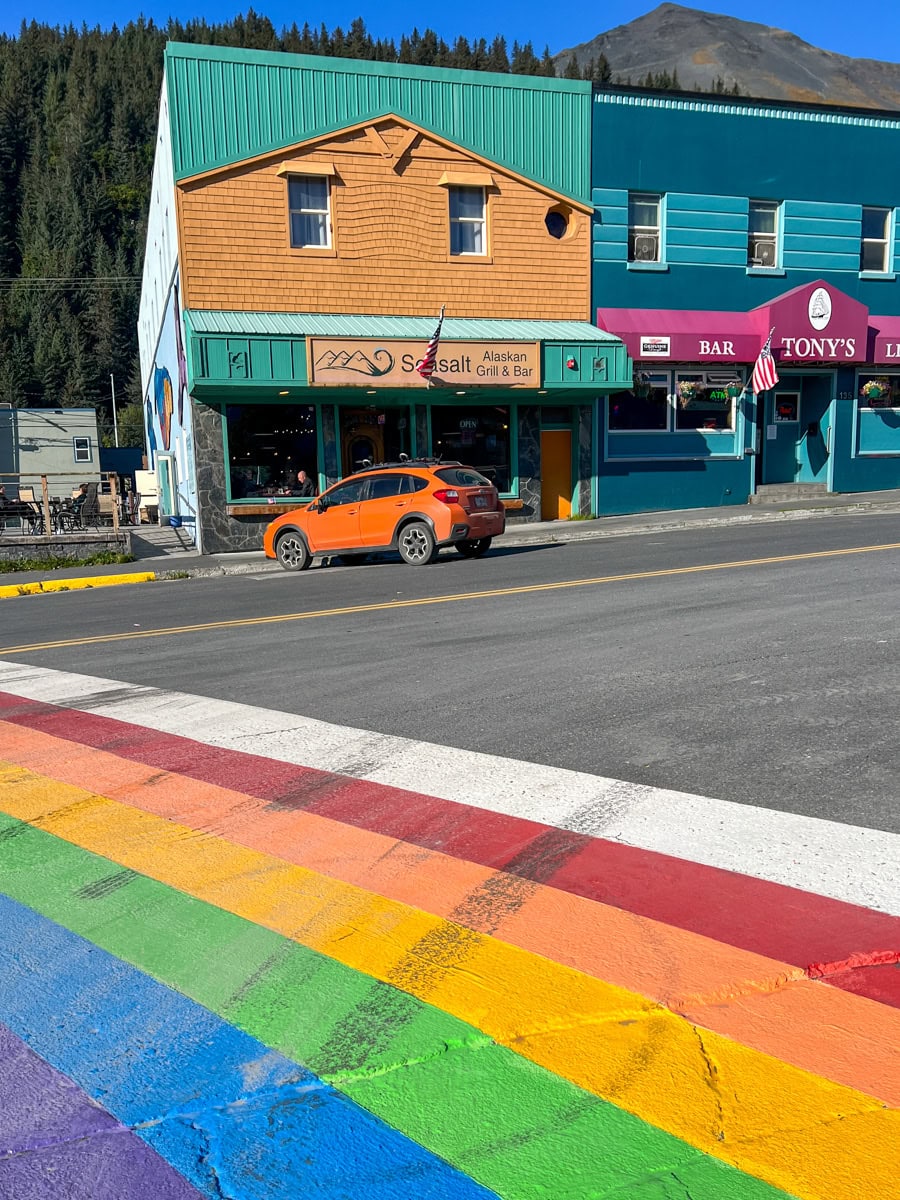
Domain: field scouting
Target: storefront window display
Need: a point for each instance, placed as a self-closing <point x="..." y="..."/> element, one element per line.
<point x="879" y="391"/>
<point x="679" y="401"/>
<point x="267" y="445"/>
<point x="705" y="400"/>
<point x="645" y="407"/>
<point x="478" y="437"/>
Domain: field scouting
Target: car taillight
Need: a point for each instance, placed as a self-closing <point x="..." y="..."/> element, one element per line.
<point x="447" y="495"/>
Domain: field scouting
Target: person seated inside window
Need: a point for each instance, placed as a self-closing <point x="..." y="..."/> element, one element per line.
<point x="304" y="486"/>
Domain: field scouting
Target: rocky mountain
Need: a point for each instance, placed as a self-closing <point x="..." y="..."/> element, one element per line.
<point x="704" y="47"/>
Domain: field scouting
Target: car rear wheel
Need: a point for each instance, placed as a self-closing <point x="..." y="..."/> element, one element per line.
<point x="416" y="544"/>
<point x="474" y="547"/>
<point x="292" y="552"/>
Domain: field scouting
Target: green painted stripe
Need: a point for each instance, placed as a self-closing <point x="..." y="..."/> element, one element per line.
<point x="513" y="1126"/>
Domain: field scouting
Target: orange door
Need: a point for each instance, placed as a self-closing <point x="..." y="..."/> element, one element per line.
<point x="556" y="474"/>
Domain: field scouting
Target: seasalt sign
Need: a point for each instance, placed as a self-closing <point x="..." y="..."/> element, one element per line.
<point x="365" y="362"/>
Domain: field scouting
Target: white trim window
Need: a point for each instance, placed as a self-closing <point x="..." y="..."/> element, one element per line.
<point x="81" y="449"/>
<point x="643" y="226"/>
<point x="468" y="221"/>
<point x="762" y="233"/>
<point x="309" y="205"/>
<point x="875" y="240"/>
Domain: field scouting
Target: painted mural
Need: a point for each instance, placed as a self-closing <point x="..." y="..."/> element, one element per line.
<point x="167" y="416"/>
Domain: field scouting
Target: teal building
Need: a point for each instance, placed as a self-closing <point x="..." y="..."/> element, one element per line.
<point x="717" y="221"/>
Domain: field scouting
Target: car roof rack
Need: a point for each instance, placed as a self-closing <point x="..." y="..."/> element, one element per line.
<point x="405" y="461"/>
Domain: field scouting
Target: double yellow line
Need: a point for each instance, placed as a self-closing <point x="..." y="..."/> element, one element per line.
<point x="453" y="598"/>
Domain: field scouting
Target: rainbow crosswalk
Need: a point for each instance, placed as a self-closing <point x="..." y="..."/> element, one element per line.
<point x="254" y="955"/>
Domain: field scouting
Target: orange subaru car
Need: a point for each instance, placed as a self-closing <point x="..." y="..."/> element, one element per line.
<point x="415" y="507"/>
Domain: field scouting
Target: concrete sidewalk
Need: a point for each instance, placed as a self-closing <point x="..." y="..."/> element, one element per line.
<point x="181" y="563"/>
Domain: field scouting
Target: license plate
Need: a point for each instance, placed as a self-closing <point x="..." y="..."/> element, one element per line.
<point x="481" y="501"/>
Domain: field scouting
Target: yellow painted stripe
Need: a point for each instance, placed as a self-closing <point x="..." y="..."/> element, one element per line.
<point x="74" y="585"/>
<point x="453" y="598"/>
<point x="802" y="1133"/>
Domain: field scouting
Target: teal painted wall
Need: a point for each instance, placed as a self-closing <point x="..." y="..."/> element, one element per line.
<point x="708" y="158"/>
<point x="228" y="105"/>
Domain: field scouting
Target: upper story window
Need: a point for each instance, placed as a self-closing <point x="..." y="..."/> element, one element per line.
<point x="876" y="236"/>
<point x="762" y="242"/>
<point x="643" y="226"/>
<point x="467" y="220"/>
<point x="81" y="449"/>
<point x="308" y="202"/>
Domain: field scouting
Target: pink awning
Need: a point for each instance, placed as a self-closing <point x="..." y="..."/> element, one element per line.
<point x="686" y="335"/>
<point x="885" y="340"/>
<point x="813" y="323"/>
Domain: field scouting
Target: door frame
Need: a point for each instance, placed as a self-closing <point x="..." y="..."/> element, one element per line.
<point x="559" y="427"/>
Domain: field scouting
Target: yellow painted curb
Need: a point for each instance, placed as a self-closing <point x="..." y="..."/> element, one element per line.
<point x="72" y="585"/>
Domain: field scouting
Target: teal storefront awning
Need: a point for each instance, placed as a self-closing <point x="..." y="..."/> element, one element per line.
<point x="264" y="353"/>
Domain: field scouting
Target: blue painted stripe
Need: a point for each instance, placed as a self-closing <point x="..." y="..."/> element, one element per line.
<point x="55" y="1139"/>
<point x="232" y="1116"/>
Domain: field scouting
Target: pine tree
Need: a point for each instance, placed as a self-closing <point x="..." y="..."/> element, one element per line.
<point x="572" y="71"/>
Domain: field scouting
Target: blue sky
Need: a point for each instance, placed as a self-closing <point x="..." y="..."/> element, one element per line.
<point x="868" y="28"/>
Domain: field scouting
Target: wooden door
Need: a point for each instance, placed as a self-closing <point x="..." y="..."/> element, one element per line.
<point x="556" y="474"/>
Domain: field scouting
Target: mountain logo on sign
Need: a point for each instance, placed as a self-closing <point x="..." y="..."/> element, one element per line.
<point x="380" y="362"/>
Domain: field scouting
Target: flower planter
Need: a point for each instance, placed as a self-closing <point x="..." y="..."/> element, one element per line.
<point x="734" y="390"/>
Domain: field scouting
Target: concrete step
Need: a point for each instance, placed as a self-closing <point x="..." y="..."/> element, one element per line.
<point x="776" y="493"/>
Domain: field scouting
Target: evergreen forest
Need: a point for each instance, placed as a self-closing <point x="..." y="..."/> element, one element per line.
<point x="78" y="115"/>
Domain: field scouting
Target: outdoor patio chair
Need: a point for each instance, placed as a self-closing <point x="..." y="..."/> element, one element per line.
<point x="86" y="515"/>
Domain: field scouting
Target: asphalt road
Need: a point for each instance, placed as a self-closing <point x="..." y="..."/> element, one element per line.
<point x="771" y="683"/>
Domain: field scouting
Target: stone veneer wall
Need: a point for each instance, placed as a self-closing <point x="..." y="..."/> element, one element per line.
<point x="585" y="459"/>
<point x="218" y="531"/>
<point x="529" y="464"/>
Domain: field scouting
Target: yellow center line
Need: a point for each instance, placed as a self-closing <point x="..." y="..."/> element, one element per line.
<point x="387" y="605"/>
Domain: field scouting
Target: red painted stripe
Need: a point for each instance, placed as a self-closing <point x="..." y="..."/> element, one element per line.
<point x="780" y="922"/>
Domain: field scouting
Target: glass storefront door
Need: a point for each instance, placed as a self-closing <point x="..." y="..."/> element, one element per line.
<point x="368" y="432"/>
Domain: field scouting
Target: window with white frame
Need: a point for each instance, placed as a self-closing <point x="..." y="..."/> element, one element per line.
<point x="646" y="407"/>
<point x="876" y="236"/>
<point x="309" y="204"/>
<point x="681" y="401"/>
<point x="705" y="400"/>
<point x="643" y="226"/>
<point x="879" y="391"/>
<point x="468" y="222"/>
<point x="762" y="240"/>
<point x="81" y="449"/>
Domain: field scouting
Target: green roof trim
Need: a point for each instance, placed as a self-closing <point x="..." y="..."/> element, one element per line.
<point x="227" y="105"/>
<point x="461" y="329"/>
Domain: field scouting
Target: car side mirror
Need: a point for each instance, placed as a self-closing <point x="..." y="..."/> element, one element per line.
<point x="319" y="505"/>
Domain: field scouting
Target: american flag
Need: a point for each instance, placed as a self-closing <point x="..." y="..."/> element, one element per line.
<point x="428" y="363"/>
<point x="764" y="374"/>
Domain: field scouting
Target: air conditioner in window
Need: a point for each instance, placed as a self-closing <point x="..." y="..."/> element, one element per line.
<point x="646" y="247"/>
<point x="762" y="253"/>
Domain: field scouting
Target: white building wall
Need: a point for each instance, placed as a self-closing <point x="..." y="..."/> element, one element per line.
<point x="168" y="425"/>
<point x="161" y="252"/>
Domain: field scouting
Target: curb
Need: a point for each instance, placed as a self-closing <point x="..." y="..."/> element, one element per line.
<point x="7" y="591"/>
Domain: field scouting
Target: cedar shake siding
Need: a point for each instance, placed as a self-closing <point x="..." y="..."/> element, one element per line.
<point x="390" y="251"/>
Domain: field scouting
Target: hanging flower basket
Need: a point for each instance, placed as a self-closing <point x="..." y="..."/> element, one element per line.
<point x="689" y="390"/>
<point x="876" y="389"/>
<point x="734" y="390"/>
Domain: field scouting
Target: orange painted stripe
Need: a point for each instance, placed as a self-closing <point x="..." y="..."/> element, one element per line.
<point x="764" y="1004"/>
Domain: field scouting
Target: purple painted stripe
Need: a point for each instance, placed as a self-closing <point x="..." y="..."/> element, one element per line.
<point x="56" y="1141"/>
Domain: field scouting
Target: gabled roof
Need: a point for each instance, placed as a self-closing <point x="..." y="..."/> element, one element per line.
<point x="228" y="105"/>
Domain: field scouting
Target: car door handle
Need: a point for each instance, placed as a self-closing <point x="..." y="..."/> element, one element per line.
<point x="401" y="504"/>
